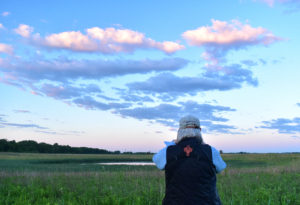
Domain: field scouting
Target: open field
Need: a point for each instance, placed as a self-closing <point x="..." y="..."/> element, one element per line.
<point x="75" y="179"/>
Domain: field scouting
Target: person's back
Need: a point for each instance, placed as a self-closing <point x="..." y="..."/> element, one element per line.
<point x="190" y="174"/>
<point x="190" y="167"/>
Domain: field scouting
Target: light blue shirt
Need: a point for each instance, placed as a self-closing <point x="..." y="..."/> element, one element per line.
<point x="160" y="158"/>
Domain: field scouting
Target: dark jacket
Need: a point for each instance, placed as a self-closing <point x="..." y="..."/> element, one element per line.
<point x="190" y="174"/>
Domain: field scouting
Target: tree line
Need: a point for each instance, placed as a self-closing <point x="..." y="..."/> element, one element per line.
<point x="34" y="147"/>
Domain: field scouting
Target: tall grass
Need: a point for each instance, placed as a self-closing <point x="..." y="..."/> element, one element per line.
<point x="72" y="179"/>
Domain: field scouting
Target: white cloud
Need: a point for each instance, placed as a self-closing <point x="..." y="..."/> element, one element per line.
<point x="169" y="46"/>
<point x="109" y="40"/>
<point x="1" y="26"/>
<point x="73" y="40"/>
<point x="5" y="13"/>
<point x="24" y="30"/>
<point x="5" y="48"/>
<point x="116" y="35"/>
<point x="222" y="36"/>
<point x="232" y="34"/>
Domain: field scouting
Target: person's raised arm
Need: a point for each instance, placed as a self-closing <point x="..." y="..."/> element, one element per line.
<point x="160" y="158"/>
<point x="217" y="160"/>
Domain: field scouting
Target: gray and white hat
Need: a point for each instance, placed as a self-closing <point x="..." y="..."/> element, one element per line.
<point x="189" y="126"/>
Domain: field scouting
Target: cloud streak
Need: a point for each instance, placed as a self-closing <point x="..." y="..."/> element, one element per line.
<point x="37" y="128"/>
<point x="107" y="41"/>
<point x="169" y="114"/>
<point x="21" y="111"/>
<point x="61" y="70"/>
<point x="90" y="103"/>
<point x="228" y="78"/>
<point x="68" y="91"/>
<point x="6" y="124"/>
<point x="283" y="125"/>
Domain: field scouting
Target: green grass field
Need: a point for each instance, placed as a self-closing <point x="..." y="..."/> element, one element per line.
<point x="75" y="179"/>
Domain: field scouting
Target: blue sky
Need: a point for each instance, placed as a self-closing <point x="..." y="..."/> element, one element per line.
<point x="120" y="74"/>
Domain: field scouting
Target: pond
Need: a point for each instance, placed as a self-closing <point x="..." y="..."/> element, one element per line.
<point x="128" y="163"/>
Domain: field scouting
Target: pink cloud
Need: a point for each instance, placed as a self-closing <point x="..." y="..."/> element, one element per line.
<point x="24" y="30"/>
<point x="169" y="46"/>
<point x="5" y="48"/>
<point x="272" y="2"/>
<point x="269" y="2"/>
<point x="222" y="36"/>
<point x="229" y="34"/>
<point x="109" y="40"/>
<point x="73" y="40"/>
<point x="116" y="35"/>
<point x="5" y="13"/>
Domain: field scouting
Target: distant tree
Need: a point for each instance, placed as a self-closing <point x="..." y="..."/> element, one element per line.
<point x="242" y="152"/>
<point x="34" y="147"/>
<point x="28" y="146"/>
<point x="4" y="145"/>
<point x="13" y="146"/>
<point x="45" y="148"/>
<point x="221" y="151"/>
<point x="127" y="153"/>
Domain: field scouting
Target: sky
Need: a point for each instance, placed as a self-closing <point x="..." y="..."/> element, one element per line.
<point x="119" y="75"/>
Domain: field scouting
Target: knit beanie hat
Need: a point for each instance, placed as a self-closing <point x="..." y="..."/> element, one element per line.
<point x="189" y="126"/>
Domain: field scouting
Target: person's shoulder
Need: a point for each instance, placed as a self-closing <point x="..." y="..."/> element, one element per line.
<point x="214" y="150"/>
<point x="172" y="148"/>
<point x="169" y="143"/>
<point x="206" y="146"/>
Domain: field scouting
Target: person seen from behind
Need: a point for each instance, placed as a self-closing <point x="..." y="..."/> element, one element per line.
<point x="190" y="167"/>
